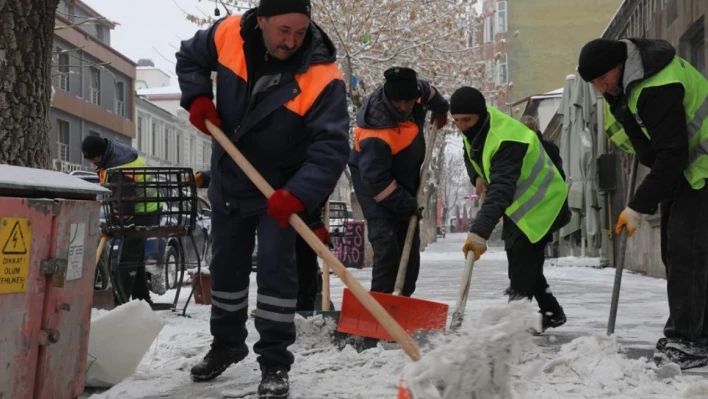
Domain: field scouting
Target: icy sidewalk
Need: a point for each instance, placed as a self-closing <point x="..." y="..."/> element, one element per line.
<point x="586" y="368"/>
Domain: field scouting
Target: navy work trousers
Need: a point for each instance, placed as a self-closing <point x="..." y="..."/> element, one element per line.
<point x="233" y="244"/>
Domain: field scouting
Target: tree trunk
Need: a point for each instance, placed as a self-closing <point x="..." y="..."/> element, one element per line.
<point x="25" y="70"/>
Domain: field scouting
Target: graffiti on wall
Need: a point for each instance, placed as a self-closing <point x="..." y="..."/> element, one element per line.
<point x="349" y="248"/>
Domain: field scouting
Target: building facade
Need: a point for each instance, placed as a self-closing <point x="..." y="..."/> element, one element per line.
<point x="164" y="136"/>
<point x="528" y="47"/>
<point x="94" y="85"/>
<point x="683" y="24"/>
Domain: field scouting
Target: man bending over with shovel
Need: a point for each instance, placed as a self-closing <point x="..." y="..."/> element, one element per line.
<point x="523" y="186"/>
<point x="282" y="101"/>
<point x="389" y="149"/>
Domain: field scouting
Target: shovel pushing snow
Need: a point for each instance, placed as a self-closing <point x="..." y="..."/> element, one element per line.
<point x="412" y="313"/>
<point x="619" y="264"/>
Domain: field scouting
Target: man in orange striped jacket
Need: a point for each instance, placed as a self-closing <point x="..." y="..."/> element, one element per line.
<point x="385" y="165"/>
<point x="282" y="101"/>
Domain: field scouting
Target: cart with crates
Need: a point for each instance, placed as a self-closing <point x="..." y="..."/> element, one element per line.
<point x="148" y="202"/>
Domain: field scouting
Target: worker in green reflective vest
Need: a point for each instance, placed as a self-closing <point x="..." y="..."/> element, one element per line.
<point x="523" y="186"/>
<point x="106" y="154"/>
<point x="657" y="107"/>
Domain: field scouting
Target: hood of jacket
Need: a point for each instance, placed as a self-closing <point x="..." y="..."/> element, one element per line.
<point x="319" y="50"/>
<point x="377" y="112"/>
<point x="117" y="154"/>
<point x="645" y="58"/>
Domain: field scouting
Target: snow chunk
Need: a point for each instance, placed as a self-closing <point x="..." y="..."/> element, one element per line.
<point x="476" y="362"/>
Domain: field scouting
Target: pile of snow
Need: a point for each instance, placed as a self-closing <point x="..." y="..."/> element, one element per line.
<point x="476" y="363"/>
<point x="497" y="359"/>
<point x="595" y="367"/>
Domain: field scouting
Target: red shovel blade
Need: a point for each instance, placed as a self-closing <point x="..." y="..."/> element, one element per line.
<point x="411" y="313"/>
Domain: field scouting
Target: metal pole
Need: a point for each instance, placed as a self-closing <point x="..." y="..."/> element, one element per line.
<point x="622" y="247"/>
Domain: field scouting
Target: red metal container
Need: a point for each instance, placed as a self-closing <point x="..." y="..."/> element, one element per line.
<point x="49" y="226"/>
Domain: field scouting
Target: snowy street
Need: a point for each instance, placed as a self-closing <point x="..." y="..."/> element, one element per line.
<point x="586" y="368"/>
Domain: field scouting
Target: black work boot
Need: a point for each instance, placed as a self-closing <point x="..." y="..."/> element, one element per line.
<point x="685" y="353"/>
<point x="661" y="344"/>
<point x="274" y="382"/>
<point x="218" y="359"/>
<point x="553" y="319"/>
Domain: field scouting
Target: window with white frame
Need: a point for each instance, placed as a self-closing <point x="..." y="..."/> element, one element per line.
<point x="139" y="139"/>
<point x="95" y="86"/>
<point x="193" y="150"/>
<point x="502" y="70"/>
<point x="120" y="98"/>
<point x="489" y="70"/>
<point x="63" y="140"/>
<point x="501" y="16"/>
<point x="488" y="29"/>
<point x="153" y="150"/>
<point x="178" y="152"/>
<point x="206" y="154"/>
<point x="63" y="69"/>
<point x="167" y="137"/>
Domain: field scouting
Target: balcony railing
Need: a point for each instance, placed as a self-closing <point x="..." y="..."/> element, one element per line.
<point x="120" y="108"/>
<point x="62" y="151"/>
<point x="95" y="96"/>
<point x="64" y="81"/>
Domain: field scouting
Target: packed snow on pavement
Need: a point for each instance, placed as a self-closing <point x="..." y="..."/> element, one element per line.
<point x="492" y="349"/>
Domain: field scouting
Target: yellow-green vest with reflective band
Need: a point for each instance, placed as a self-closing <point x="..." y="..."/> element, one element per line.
<point x="540" y="189"/>
<point x="142" y="192"/>
<point x="695" y="102"/>
<point x="615" y="131"/>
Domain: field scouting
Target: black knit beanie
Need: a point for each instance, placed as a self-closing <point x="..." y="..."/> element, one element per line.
<point x="93" y="146"/>
<point x="599" y="56"/>
<point x="401" y="84"/>
<point x="269" y="8"/>
<point x="467" y="100"/>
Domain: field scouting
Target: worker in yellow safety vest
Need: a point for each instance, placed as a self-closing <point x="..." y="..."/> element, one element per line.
<point x="106" y="154"/>
<point x="523" y="186"/>
<point x="656" y="105"/>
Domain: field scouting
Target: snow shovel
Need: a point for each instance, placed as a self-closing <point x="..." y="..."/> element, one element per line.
<point x="412" y="313"/>
<point x="382" y="317"/>
<point x="622" y="247"/>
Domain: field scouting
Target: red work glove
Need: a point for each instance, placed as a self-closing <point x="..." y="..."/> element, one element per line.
<point x="323" y="234"/>
<point x="440" y="120"/>
<point x="282" y="204"/>
<point x="201" y="110"/>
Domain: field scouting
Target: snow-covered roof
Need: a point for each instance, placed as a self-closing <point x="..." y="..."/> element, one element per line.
<point x="155" y="91"/>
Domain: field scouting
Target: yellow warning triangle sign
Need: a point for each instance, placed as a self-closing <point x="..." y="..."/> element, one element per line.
<point x="15" y="244"/>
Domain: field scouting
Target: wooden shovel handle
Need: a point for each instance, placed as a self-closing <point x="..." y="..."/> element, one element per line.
<point x="99" y="250"/>
<point x="388" y="323"/>
<point x="413" y="223"/>
<point x="325" y="265"/>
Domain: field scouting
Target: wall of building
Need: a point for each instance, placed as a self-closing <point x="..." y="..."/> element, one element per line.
<point x="151" y="77"/>
<point x="550" y="36"/>
<point x="78" y="49"/>
<point x="680" y="22"/>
